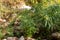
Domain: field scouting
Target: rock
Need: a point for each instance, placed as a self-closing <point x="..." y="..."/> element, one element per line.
<point x="2" y="20"/>
<point x="4" y="39"/>
<point x="26" y="7"/>
<point x="12" y="38"/>
<point x="56" y="35"/>
<point x="29" y="38"/>
<point x="22" y="38"/>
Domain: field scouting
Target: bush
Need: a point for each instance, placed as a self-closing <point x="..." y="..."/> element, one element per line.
<point x="40" y="20"/>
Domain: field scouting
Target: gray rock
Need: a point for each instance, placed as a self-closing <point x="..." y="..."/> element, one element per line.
<point x="22" y="38"/>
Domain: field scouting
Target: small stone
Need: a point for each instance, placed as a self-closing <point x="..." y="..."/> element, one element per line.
<point x="4" y="39"/>
<point x="12" y="38"/>
<point x="4" y="20"/>
<point x="56" y="35"/>
<point x="29" y="38"/>
<point x="26" y="7"/>
<point x="21" y="38"/>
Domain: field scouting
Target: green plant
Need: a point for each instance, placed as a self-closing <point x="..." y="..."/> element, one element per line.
<point x="40" y="19"/>
<point x="47" y="19"/>
<point x="48" y="16"/>
<point x="27" y="23"/>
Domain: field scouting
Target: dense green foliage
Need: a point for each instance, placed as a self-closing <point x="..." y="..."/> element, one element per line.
<point x="39" y="20"/>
